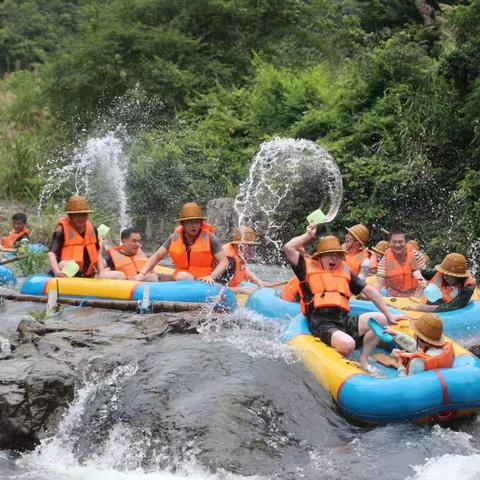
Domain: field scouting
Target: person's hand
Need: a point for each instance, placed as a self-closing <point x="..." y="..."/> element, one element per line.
<point x="207" y="279"/>
<point x="139" y="277"/>
<point x="422" y="283"/>
<point x="101" y="275"/>
<point x="311" y="231"/>
<point x="59" y="274"/>
<point x="412" y="307"/>
<point x="394" y="318"/>
<point x="390" y="330"/>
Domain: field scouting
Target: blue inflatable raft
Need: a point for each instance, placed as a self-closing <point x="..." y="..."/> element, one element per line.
<point x="432" y="396"/>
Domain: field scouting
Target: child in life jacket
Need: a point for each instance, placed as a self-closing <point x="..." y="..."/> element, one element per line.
<point x="18" y="233"/>
<point x="427" y="351"/>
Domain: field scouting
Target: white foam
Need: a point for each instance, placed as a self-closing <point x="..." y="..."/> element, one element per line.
<point x="449" y="467"/>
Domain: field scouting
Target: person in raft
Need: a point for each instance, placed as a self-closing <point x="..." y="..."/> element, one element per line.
<point x="454" y="282"/>
<point x="377" y="253"/>
<point x="357" y="256"/>
<point x="126" y="260"/>
<point x="18" y="233"/>
<point x="193" y="247"/>
<point x="399" y="269"/>
<point x="427" y="351"/>
<point x="75" y="238"/>
<point x="326" y="285"/>
<point x="239" y="251"/>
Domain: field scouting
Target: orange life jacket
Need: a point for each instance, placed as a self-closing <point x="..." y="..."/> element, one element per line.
<point x="241" y="271"/>
<point x="74" y="245"/>
<point x="355" y="260"/>
<point x="201" y="261"/>
<point x="449" y="292"/>
<point x="432" y="362"/>
<point x="398" y="276"/>
<point x="291" y="291"/>
<point x="129" y="265"/>
<point x="12" y="238"/>
<point x="329" y="289"/>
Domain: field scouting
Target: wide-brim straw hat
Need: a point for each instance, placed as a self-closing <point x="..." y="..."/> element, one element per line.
<point x="380" y="247"/>
<point x="191" y="211"/>
<point x="77" y="204"/>
<point x="329" y="244"/>
<point x="429" y="327"/>
<point x="455" y="265"/>
<point x="359" y="232"/>
<point x="245" y="235"/>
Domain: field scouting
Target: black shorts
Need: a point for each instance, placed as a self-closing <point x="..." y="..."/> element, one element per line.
<point x="324" y="327"/>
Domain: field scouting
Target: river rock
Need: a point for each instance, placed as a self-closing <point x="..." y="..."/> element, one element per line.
<point x="222" y="215"/>
<point x="48" y="361"/>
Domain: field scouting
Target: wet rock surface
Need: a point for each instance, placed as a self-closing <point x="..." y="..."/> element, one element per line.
<point x="47" y="361"/>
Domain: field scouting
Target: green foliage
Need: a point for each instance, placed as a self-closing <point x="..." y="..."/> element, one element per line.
<point x="25" y="126"/>
<point x="35" y="263"/>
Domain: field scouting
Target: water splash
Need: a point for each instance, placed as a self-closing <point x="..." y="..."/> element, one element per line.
<point x="5" y="346"/>
<point x="97" y="170"/>
<point x="287" y="179"/>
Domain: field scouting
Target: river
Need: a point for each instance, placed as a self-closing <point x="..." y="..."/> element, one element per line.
<point x="230" y="403"/>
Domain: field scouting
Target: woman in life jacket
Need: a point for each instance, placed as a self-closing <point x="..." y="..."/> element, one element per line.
<point x="195" y="250"/>
<point x="75" y="239"/>
<point x="239" y="251"/>
<point x="428" y="350"/>
<point x="454" y="283"/>
<point x="357" y="257"/>
<point x="326" y="285"/>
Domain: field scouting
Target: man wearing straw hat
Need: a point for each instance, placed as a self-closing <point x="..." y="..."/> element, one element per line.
<point x="75" y="239"/>
<point x="239" y="251"/>
<point x="454" y="283"/>
<point x="326" y="285"/>
<point x="193" y="247"/>
<point x="357" y="257"/>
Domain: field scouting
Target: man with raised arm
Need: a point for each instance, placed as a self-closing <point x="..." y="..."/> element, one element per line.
<point x="326" y="285"/>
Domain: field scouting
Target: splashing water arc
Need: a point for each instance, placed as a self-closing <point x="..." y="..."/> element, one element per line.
<point x="98" y="170"/>
<point x="287" y="177"/>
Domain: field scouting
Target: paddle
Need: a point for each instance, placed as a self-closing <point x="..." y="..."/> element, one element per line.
<point x="14" y="259"/>
<point x="385" y="359"/>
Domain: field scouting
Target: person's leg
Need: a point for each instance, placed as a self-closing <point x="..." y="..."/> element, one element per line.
<point x="343" y="343"/>
<point x="370" y="340"/>
<point x="184" y="276"/>
<point x="113" y="275"/>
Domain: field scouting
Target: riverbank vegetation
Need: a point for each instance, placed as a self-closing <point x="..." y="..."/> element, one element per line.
<point x="390" y="88"/>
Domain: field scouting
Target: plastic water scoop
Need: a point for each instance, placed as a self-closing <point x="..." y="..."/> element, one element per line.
<point x="70" y="268"/>
<point x="432" y="293"/>
<point x="378" y="329"/>
<point x="316" y="217"/>
<point x="103" y="230"/>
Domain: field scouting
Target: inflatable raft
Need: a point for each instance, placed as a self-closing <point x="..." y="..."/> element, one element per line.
<point x="427" y="397"/>
<point x="128" y="290"/>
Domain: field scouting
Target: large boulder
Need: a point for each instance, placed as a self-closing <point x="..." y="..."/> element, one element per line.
<point x="222" y="215"/>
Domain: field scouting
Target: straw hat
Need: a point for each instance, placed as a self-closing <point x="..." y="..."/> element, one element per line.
<point x="77" y="204"/>
<point x="380" y="247"/>
<point x="191" y="211"/>
<point x="245" y="235"/>
<point x="455" y="265"/>
<point x="414" y="244"/>
<point x="359" y="232"/>
<point x="329" y="244"/>
<point x="428" y="327"/>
